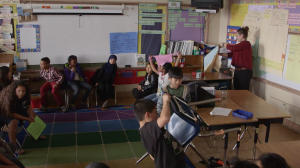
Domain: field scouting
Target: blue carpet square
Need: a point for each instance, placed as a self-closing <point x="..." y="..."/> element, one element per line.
<point x="110" y="125"/>
<point x="89" y="126"/>
<point x="48" y="129"/>
<point x="63" y="128"/>
<point x="130" y="124"/>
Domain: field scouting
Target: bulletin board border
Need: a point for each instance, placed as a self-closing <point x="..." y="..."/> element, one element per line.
<point x="205" y="27"/>
<point x="37" y="31"/>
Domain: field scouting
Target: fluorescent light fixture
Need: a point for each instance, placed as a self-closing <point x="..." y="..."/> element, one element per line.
<point x="79" y="9"/>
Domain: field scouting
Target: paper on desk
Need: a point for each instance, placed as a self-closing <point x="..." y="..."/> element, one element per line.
<point x="220" y="111"/>
<point x="36" y="127"/>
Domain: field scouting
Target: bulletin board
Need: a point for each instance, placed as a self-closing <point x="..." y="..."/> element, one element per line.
<point x="11" y="41"/>
<point x="286" y="80"/>
<point x="186" y="24"/>
<point x="152" y="29"/>
<point x="243" y="7"/>
<point x="28" y="38"/>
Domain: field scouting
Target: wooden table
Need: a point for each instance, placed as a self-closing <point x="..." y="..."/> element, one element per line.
<point x="288" y="150"/>
<point x="208" y="76"/>
<point x="215" y="122"/>
<point x="262" y="110"/>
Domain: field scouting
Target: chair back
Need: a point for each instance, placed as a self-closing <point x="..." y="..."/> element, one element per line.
<point x="182" y="126"/>
<point x="193" y="88"/>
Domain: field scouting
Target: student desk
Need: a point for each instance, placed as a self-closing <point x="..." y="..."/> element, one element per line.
<point x="288" y="150"/>
<point x="216" y="122"/>
<point x="208" y="76"/>
<point x="262" y="110"/>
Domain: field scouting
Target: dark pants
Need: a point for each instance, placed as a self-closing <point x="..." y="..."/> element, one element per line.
<point x="104" y="90"/>
<point x="241" y="79"/>
<point x="139" y="94"/>
<point x="76" y="85"/>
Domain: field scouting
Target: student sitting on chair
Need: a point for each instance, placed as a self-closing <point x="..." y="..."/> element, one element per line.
<point x="175" y="88"/>
<point x="106" y="78"/>
<point x="15" y="107"/>
<point x="163" y="148"/>
<point x="163" y="76"/>
<point x="5" y="76"/>
<point x="54" y="79"/>
<point x="75" y="80"/>
<point x="147" y="86"/>
<point x="271" y="160"/>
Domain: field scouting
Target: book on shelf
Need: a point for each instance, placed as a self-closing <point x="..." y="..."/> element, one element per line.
<point x="186" y="47"/>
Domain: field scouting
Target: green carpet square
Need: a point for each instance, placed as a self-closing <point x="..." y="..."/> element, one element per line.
<point x="61" y="156"/>
<point x="90" y="153"/>
<point x="91" y="138"/>
<point x="63" y="140"/>
<point x="133" y="135"/>
<point x="114" y="137"/>
<point x="36" y="157"/>
<point x="31" y="143"/>
<point x="138" y="149"/>
<point x="118" y="151"/>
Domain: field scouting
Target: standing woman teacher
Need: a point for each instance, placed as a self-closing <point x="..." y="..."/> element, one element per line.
<point x="242" y="60"/>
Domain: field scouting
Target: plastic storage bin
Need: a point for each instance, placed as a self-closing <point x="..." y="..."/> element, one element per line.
<point x="242" y="114"/>
<point x="139" y="76"/>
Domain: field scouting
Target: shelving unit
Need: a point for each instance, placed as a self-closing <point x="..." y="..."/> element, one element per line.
<point x="193" y="63"/>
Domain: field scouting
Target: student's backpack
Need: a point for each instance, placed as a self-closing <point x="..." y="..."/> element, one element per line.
<point x="215" y="162"/>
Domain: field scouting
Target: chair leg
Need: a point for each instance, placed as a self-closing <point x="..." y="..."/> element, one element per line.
<point x="18" y="144"/>
<point x="115" y="97"/>
<point x="96" y="97"/>
<point x="88" y="102"/>
<point x="143" y="157"/>
<point x="246" y="129"/>
<point x="25" y="130"/>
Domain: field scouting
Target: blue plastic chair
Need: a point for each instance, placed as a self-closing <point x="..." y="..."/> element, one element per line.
<point x="181" y="126"/>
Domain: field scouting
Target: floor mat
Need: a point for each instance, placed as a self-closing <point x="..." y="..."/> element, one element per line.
<point x="85" y="135"/>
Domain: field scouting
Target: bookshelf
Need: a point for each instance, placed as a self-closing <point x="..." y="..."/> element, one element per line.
<point x="192" y="63"/>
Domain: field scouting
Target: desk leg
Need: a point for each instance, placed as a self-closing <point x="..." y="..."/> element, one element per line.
<point x="255" y="139"/>
<point x="238" y="143"/>
<point x="225" y="148"/>
<point x="268" y="125"/>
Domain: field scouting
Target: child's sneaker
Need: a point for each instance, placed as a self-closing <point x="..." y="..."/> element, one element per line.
<point x="104" y="104"/>
<point x="64" y="108"/>
<point x="42" y="109"/>
<point x="72" y="107"/>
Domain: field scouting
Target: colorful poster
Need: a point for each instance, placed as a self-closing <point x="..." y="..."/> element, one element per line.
<point x="238" y="13"/>
<point x="293" y="61"/>
<point x="231" y="34"/>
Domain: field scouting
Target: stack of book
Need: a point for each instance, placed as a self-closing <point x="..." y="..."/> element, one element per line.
<point x="185" y="47"/>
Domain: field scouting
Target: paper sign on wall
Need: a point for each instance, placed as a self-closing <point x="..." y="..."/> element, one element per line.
<point x="123" y="42"/>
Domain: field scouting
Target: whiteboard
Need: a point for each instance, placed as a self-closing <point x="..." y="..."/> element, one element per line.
<point x="85" y="36"/>
<point x="282" y="80"/>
